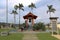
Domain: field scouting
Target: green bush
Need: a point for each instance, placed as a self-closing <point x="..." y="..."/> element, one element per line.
<point x="54" y="33"/>
<point x="36" y="27"/>
<point x="39" y="26"/>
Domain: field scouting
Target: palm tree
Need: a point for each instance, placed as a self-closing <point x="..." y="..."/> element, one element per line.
<point x="20" y="7"/>
<point x="51" y="9"/>
<point x="16" y="7"/>
<point x="14" y="12"/>
<point x="32" y="5"/>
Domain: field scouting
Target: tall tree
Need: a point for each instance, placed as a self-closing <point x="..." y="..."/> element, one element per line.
<point x="20" y="7"/>
<point x="14" y="12"/>
<point x="16" y="7"/>
<point x="50" y="9"/>
<point x="32" y="5"/>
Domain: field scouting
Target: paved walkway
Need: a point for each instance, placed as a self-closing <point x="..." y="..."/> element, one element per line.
<point x="57" y="36"/>
<point x="30" y="36"/>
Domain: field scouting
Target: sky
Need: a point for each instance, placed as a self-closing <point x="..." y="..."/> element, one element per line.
<point x="40" y="10"/>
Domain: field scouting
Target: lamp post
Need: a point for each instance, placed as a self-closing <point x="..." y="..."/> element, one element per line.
<point x="6" y="11"/>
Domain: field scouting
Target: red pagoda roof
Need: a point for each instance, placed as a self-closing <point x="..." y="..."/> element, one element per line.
<point x="30" y="15"/>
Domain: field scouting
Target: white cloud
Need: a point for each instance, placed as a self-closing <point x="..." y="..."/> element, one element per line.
<point x="2" y="12"/>
<point x="24" y="2"/>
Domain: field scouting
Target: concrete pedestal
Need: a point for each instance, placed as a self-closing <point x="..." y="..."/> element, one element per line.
<point x="53" y="24"/>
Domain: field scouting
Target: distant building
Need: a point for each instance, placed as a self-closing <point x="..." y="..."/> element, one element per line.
<point x="8" y="25"/>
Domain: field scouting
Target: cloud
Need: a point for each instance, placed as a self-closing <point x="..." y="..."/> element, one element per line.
<point x="2" y="12"/>
<point x="24" y="2"/>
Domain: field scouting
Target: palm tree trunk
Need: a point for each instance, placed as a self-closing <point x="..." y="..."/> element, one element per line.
<point x="31" y="9"/>
<point x="19" y="19"/>
<point x="50" y="14"/>
<point x="14" y="19"/>
<point x="6" y="11"/>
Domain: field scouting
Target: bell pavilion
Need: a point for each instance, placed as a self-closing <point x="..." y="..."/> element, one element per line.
<point x="29" y="20"/>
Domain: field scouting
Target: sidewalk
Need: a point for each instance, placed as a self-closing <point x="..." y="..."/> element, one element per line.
<point x="57" y="36"/>
<point x="30" y="36"/>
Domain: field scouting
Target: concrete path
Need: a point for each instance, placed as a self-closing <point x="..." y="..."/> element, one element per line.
<point x="30" y="36"/>
<point x="57" y="36"/>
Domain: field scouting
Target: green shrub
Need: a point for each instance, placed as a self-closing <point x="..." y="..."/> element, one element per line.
<point x="36" y="27"/>
<point x="39" y="26"/>
<point x="54" y="33"/>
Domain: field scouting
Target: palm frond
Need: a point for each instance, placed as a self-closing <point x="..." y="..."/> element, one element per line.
<point x="16" y="7"/>
<point x="47" y="11"/>
<point x="53" y="9"/>
<point x="14" y="12"/>
<point x="32" y="5"/>
<point x="22" y="9"/>
<point x="49" y="7"/>
<point x="20" y="6"/>
<point x="29" y="6"/>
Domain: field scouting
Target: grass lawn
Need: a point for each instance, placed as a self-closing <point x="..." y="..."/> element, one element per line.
<point x="45" y="36"/>
<point x="6" y="30"/>
<point x="15" y="36"/>
<point x="59" y="31"/>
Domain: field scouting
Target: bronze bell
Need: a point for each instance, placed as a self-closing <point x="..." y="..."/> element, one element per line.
<point x="29" y="20"/>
